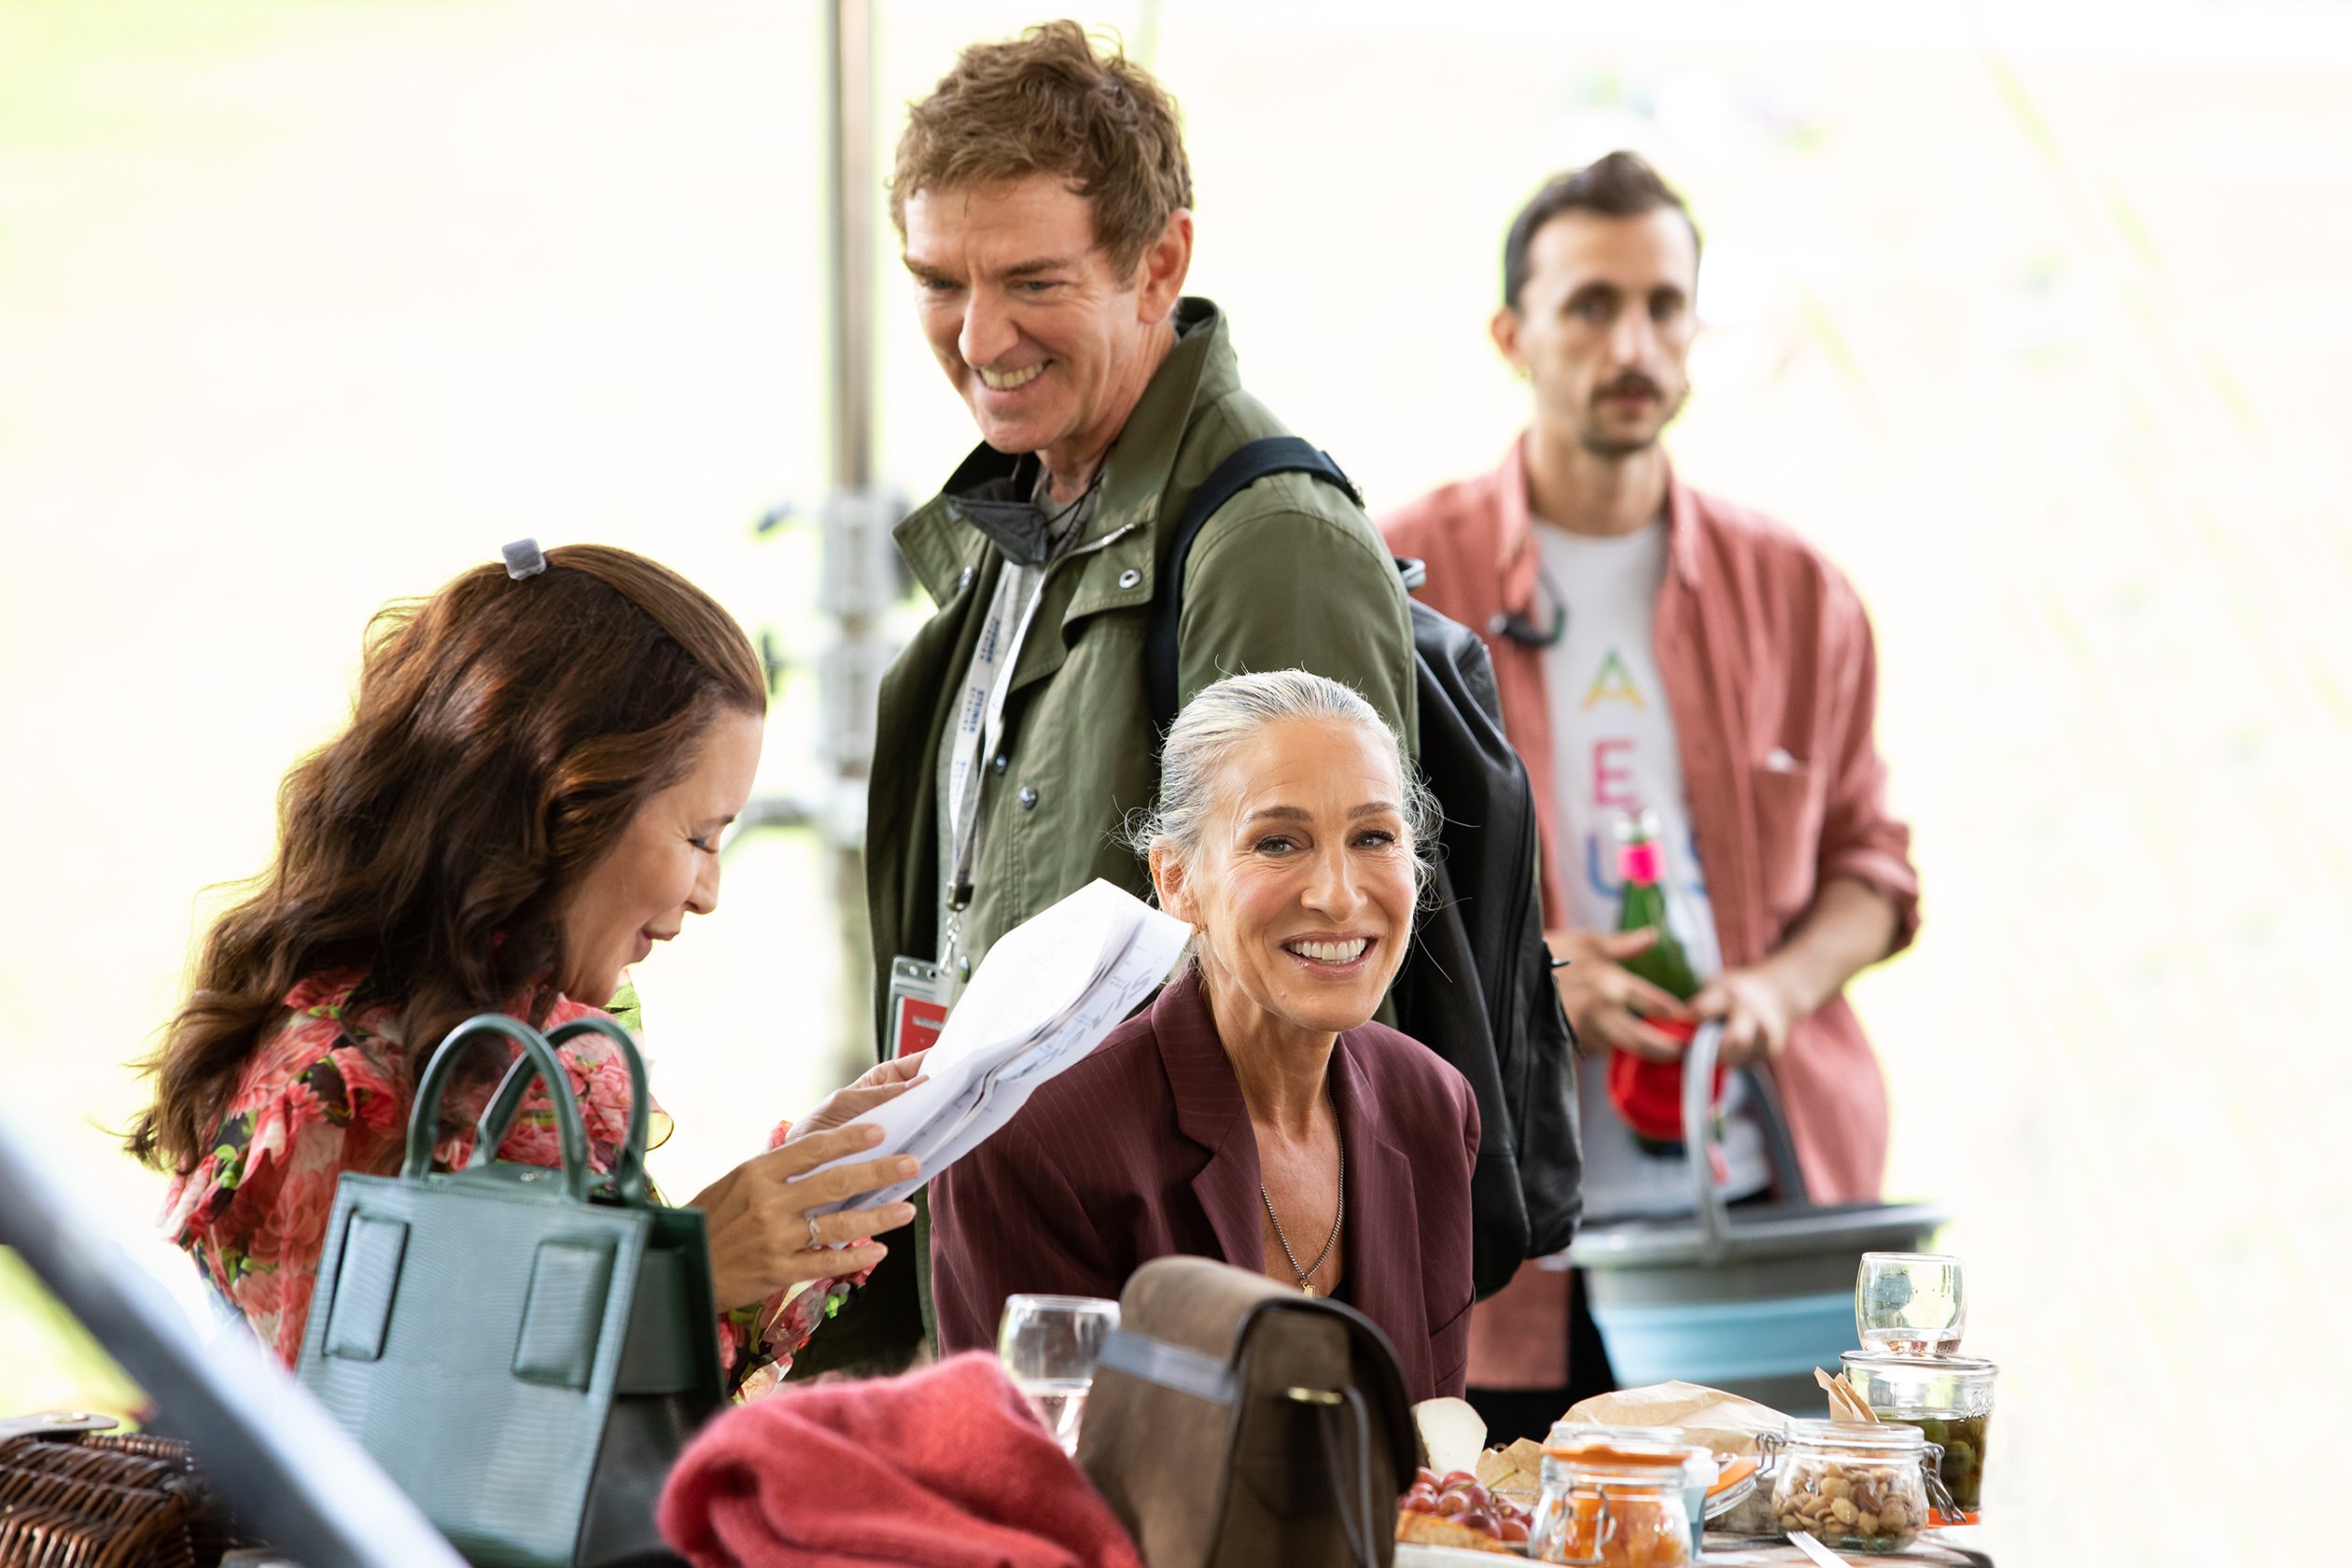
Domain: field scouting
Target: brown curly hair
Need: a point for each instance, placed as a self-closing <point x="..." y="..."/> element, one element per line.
<point x="504" y="733"/>
<point x="1047" y="103"/>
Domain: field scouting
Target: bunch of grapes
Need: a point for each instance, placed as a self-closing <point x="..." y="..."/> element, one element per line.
<point x="1459" y="1497"/>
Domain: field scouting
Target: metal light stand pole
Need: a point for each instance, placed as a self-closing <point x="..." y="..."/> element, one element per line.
<point x="859" y="575"/>
<point x="859" y="578"/>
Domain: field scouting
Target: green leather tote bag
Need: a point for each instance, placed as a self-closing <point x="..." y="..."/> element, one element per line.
<point x="524" y="1351"/>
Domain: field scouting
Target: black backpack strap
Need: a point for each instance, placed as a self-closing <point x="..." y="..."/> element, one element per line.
<point x="1241" y="469"/>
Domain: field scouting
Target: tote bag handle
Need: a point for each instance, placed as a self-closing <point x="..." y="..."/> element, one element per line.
<point x="425" y="1117"/>
<point x="628" y="1178"/>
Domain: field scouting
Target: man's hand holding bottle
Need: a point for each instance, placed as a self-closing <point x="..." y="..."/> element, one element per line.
<point x="1610" y="1006"/>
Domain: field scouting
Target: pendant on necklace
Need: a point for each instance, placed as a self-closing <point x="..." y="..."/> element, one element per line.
<point x="1309" y="1290"/>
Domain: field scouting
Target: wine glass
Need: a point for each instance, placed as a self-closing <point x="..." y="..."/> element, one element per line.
<point x="1910" y="1303"/>
<point x="1048" y="1345"/>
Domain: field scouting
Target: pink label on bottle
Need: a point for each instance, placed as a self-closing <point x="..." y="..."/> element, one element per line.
<point x="1638" y="862"/>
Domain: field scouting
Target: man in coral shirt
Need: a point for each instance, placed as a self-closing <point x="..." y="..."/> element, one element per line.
<point x="1661" y="650"/>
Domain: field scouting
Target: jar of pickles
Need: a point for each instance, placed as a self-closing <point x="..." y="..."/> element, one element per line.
<point x="1948" y="1398"/>
<point x="1613" y="1503"/>
<point x="1854" y="1485"/>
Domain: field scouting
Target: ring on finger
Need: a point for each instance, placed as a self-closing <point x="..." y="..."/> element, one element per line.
<point x="815" y="1242"/>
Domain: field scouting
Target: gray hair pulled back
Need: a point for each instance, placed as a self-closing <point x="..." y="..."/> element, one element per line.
<point x="1223" y="718"/>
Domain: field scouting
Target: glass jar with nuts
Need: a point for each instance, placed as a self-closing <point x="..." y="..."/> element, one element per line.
<point x="1853" y="1485"/>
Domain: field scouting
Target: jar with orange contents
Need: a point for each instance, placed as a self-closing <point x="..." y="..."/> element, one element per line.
<point x="1612" y="1504"/>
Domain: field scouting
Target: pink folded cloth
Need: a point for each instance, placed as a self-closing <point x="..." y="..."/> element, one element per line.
<point x="947" y="1467"/>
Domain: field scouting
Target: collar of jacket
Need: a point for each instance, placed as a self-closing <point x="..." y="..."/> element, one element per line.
<point x="1211" y="1112"/>
<point x="1516" y="528"/>
<point x="945" y="551"/>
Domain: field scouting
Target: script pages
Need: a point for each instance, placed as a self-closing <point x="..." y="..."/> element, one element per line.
<point x="1045" y="997"/>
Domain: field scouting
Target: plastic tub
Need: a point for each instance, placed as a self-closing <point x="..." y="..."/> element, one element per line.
<point x="1748" y="1301"/>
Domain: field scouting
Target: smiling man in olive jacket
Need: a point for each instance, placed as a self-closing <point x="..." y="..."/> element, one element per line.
<point x="1044" y="198"/>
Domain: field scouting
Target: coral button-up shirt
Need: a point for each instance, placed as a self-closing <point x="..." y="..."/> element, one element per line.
<point x="1771" y="677"/>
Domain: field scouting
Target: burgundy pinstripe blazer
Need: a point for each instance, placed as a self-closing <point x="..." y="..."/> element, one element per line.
<point x="1145" y="1149"/>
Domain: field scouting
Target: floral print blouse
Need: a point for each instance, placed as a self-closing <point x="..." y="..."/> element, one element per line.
<point x="328" y="1092"/>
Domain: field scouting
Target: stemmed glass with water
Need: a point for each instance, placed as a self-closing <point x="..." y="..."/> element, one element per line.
<point x="1910" y="1303"/>
<point x="1049" y="1345"/>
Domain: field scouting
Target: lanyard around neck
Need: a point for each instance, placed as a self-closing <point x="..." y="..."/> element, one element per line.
<point x="979" y="727"/>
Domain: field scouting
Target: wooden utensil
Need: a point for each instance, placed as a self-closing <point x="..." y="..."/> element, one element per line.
<point x="1845" y="1404"/>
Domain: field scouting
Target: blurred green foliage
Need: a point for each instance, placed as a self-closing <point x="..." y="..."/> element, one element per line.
<point x="48" y="1362"/>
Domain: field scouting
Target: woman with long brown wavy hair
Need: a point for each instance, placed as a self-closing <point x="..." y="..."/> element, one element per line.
<point x="529" y="796"/>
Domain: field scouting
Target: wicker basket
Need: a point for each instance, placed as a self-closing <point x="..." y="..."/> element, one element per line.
<point x="96" y="1501"/>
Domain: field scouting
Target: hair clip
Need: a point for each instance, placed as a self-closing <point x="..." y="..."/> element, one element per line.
<point x="523" y="559"/>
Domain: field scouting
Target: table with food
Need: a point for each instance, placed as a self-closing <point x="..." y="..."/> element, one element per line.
<point x="1676" y="1474"/>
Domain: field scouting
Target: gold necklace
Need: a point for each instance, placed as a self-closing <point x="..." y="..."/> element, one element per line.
<point x="1306" y="1276"/>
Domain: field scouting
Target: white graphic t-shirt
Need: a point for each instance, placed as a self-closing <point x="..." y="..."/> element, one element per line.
<point x="1613" y="753"/>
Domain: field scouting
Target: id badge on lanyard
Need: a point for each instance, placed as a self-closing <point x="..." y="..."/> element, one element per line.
<point x="920" y="995"/>
<point x="921" y="991"/>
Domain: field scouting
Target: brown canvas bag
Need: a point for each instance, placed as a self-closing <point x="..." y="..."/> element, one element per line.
<point x="1233" y="1422"/>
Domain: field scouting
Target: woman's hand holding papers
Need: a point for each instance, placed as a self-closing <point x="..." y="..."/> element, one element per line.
<point x="757" y="1215"/>
<point x="877" y="1087"/>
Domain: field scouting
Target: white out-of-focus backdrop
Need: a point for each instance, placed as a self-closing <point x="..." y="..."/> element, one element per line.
<point x="2035" y="316"/>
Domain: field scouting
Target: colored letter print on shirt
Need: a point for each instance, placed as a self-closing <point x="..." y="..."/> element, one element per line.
<point x="1613" y="683"/>
<point x="1613" y="774"/>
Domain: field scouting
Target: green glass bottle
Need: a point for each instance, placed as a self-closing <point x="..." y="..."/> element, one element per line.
<point x="1648" y="1094"/>
<point x="1642" y="906"/>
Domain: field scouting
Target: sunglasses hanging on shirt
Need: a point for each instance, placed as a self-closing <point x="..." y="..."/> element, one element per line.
<point x="1522" y="627"/>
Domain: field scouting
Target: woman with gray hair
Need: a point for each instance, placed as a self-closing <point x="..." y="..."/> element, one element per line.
<point x="1254" y="1112"/>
